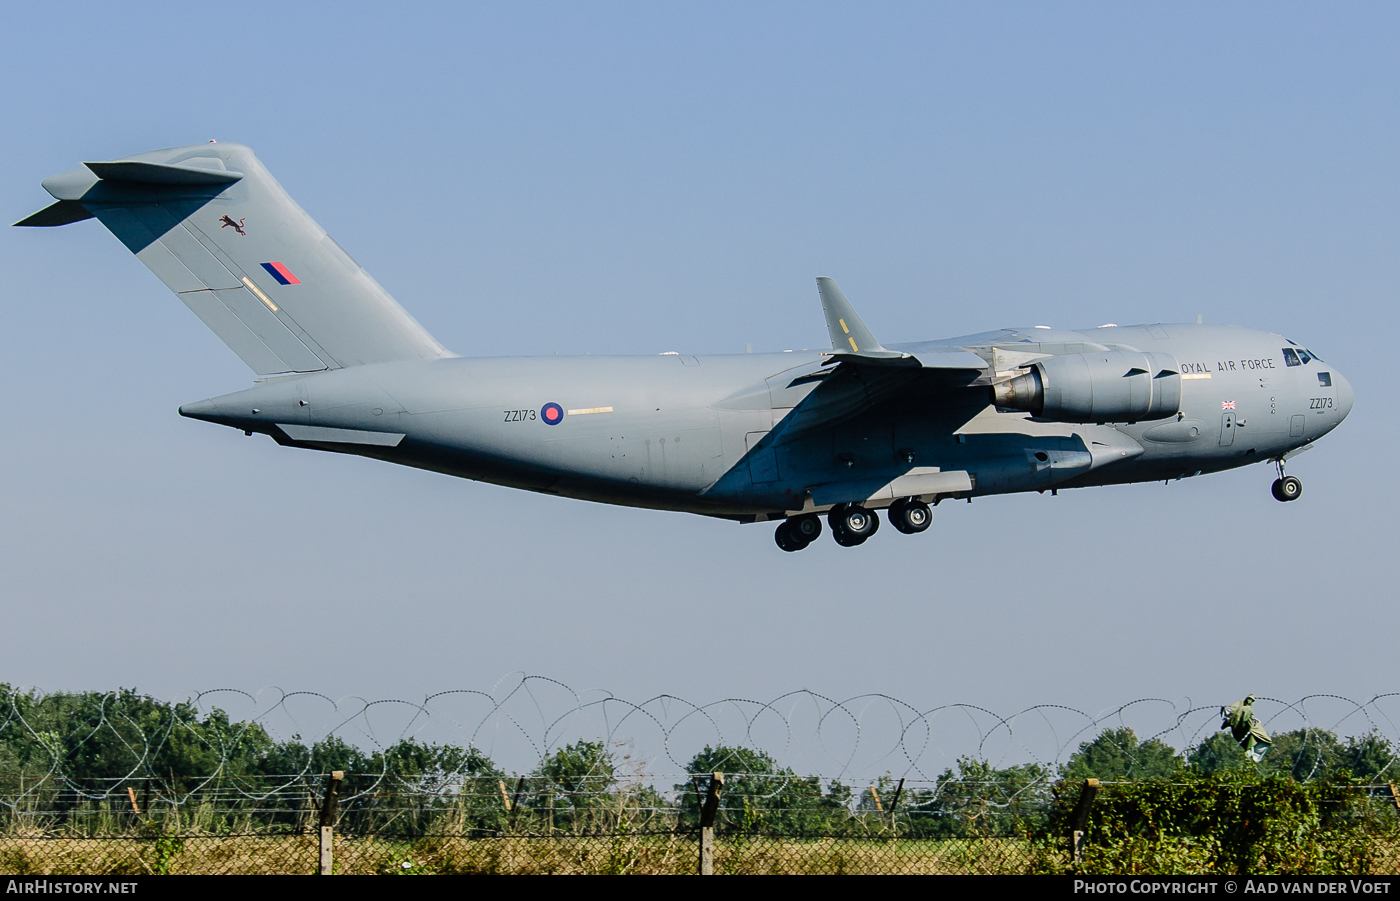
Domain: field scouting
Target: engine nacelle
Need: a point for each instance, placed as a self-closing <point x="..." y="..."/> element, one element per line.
<point x="1109" y="386"/>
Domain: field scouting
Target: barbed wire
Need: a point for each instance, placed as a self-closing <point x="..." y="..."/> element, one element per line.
<point x="525" y="721"/>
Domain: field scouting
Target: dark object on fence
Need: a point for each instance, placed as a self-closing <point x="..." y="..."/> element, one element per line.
<point x="1079" y="820"/>
<point x="707" y="824"/>
<point x="515" y="804"/>
<point x="328" y="822"/>
<point x="899" y="790"/>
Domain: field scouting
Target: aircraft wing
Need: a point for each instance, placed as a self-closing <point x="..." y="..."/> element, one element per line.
<point x="866" y="372"/>
<point x="951" y="358"/>
<point x="845" y="393"/>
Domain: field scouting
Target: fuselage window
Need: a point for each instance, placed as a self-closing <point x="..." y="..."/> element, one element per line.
<point x="1324" y="379"/>
<point x="1290" y="358"/>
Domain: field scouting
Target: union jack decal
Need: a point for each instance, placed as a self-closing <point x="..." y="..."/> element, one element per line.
<point x="1227" y="405"/>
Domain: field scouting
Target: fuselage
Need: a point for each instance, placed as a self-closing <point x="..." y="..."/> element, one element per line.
<point x="691" y="433"/>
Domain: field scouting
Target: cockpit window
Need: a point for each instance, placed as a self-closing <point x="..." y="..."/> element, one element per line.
<point x="1290" y="358"/>
<point x="1324" y="379"/>
<point x="1304" y="355"/>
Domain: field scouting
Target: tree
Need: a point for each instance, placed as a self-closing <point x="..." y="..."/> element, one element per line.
<point x="979" y="799"/>
<point x="1304" y="754"/>
<point x="761" y="797"/>
<point x="1116" y="755"/>
<point x="571" y="785"/>
<point x="1370" y="757"/>
<point x="1217" y="754"/>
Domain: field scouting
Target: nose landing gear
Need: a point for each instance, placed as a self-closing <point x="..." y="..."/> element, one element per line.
<point x="1286" y="487"/>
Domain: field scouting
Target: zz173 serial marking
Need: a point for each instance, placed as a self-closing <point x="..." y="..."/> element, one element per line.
<point x="519" y="415"/>
<point x="1321" y="403"/>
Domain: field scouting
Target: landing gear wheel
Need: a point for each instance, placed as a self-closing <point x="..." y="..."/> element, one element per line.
<point x="852" y="524"/>
<point x="786" y="541"/>
<point x="910" y="515"/>
<point x="1288" y="488"/>
<point x="845" y="539"/>
<point x="790" y="538"/>
<point x="796" y="532"/>
<point x="807" y="527"/>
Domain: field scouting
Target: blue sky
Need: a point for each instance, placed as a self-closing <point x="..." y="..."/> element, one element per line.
<point x="620" y="178"/>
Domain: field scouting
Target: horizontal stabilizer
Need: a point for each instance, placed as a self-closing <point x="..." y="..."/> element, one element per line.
<point x="162" y="173"/>
<point x="61" y="213"/>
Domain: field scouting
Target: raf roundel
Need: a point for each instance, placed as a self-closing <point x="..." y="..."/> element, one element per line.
<point x="553" y="414"/>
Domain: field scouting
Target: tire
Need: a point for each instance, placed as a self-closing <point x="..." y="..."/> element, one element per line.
<point x="788" y="538"/>
<point x="846" y="539"/>
<point x="807" y="527"/>
<point x="911" y="516"/>
<point x="1276" y="490"/>
<point x="1289" y="489"/>
<point x="855" y="521"/>
<point x="896" y="515"/>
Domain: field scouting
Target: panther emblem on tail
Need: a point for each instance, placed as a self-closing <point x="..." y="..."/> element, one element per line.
<point x="227" y="222"/>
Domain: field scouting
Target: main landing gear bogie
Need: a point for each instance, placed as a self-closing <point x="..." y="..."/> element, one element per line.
<point x="852" y="524"/>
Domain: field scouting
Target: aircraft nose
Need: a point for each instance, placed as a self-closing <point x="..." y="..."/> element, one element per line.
<point x="1345" y="396"/>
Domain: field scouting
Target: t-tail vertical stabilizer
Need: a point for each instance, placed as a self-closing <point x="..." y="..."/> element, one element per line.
<point x="214" y="225"/>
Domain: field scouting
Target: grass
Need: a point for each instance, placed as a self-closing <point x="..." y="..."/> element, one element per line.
<point x="639" y="854"/>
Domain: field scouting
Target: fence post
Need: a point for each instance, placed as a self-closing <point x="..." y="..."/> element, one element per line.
<point x="328" y="822"/>
<point x="1079" y="820"/>
<point x="707" y="824"/>
<point x="1395" y="795"/>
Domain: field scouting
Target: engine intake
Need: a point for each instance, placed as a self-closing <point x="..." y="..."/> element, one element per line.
<point x="1110" y="386"/>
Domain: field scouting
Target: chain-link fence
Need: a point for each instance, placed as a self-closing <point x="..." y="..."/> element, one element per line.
<point x="742" y="824"/>
<point x="619" y="854"/>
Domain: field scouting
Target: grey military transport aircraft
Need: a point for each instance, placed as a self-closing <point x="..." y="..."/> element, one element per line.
<point x="757" y="437"/>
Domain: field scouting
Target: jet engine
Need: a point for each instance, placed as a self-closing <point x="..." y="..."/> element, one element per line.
<point x="1109" y="386"/>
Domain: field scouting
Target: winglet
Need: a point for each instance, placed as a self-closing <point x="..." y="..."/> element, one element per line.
<point x="847" y="329"/>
